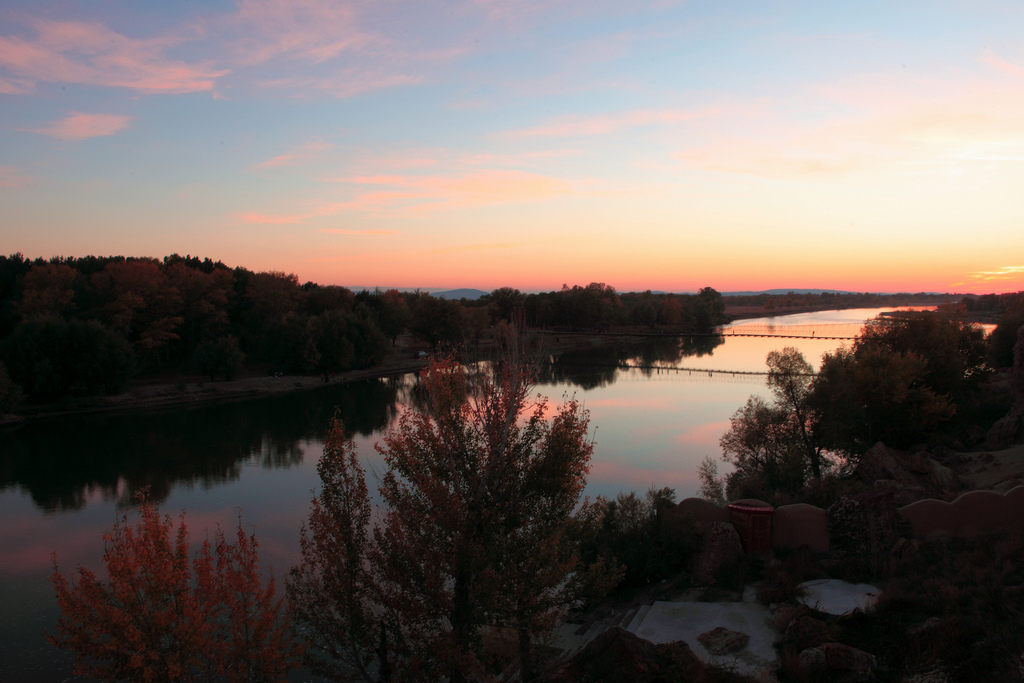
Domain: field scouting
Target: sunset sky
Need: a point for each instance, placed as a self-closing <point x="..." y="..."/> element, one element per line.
<point x="648" y="145"/>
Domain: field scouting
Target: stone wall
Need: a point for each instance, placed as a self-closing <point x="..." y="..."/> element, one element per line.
<point x="974" y="513"/>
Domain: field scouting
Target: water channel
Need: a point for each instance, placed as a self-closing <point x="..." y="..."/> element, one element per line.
<point x="656" y="410"/>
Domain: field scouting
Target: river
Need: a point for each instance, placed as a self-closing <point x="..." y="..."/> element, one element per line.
<point x="656" y="410"/>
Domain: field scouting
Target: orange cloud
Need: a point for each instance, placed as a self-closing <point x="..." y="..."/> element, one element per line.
<point x="79" y="126"/>
<point x="360" y="233"/>
<point x="421" y="194"/>
<point x="1008" y="277"/>
<point x="898" y="125"/>
<point x="90" y="53"/>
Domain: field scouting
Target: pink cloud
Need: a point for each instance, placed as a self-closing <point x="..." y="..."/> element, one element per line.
<point x="315" y="30"/>
<point x="990" y="59"/>
<point x="79" y="126"/>
<point x="11" y="176"/>
<point x="421" y="194"/>
<point x="90" y="53"/>
<point x="582" y="126"/>
<point x="304" y="153"/>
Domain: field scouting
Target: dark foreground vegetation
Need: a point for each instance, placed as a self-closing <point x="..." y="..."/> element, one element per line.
<point x="482" y="542"/>
<point x="911" y="380"/>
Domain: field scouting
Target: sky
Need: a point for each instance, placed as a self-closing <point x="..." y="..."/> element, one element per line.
<point x="486" y="143"/>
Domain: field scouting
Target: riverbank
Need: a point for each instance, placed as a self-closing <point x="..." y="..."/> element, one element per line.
<point x="161" y="393"/>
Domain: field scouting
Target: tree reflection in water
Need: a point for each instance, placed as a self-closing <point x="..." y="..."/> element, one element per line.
<point x="598" y="367"/>
<point x="63" y="462"/>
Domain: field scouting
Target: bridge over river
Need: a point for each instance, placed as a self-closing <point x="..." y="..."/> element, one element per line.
<point x="828" y="331"/>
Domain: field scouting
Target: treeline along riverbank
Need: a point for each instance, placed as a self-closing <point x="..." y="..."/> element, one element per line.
<point x="76" y="328"/>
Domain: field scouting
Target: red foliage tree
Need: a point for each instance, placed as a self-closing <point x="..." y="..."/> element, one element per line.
<point x="160" y="617"/>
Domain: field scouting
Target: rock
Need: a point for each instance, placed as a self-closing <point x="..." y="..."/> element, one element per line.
<point x="901" y="493"/>
<point x="721" y="546"/>
<point x="805" y="632"/>
<point x="942" y="478"/>
<point x="973" y="435"/>
<point x="918" y="463"/>
<point x="785" y="614"/>
<point x="882" y="462"/>
<point x="836" y="660"/>
<point x="934" y="675"/>
<point x="618" y="655"/>
<point x="837" y="597"/>
<point x="945" y="455"/>
<point x="722" y="641"/>
<point x="929" y="628"/>
<point x="1004" y="432"/>
<point x="905" y="550"/>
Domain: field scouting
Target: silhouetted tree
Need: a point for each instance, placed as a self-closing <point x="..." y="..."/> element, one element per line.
<point x="478" y="512"/>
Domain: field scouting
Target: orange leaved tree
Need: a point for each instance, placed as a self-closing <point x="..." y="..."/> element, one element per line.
<point x="480" y="509"/>
<point x="161" y="617"/>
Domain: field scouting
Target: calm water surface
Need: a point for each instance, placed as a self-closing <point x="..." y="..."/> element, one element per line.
<point x="656" y="410"/>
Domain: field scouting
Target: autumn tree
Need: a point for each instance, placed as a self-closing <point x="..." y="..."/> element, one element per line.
<point x="160" y="617"/>
<point x="479" y="508"/>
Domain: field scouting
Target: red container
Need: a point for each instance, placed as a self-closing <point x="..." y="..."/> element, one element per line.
<point x="753" y="522"/>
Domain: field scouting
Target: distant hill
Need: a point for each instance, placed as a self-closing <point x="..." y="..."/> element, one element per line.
<point x="440" y="294"/>
<point x="783" y="292"/>
<point x="472" y="294"/>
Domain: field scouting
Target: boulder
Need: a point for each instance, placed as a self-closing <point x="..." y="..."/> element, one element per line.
<point x="941" y="477"/>
<point x="836" y="660"/>
<point x="1005" y="432"/>
<point x="805" y="632"/>
<point x="720" y="547"/>
<point x="882" y="462"/>
<point x="905" y="550"/>
<point x="722" y="641"/>
<point x="618" y="655"/>
<point x="901" y="493"/>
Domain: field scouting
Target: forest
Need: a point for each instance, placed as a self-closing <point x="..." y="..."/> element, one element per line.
<point x="86" y="326"/>
<point x="80" y="327"/>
